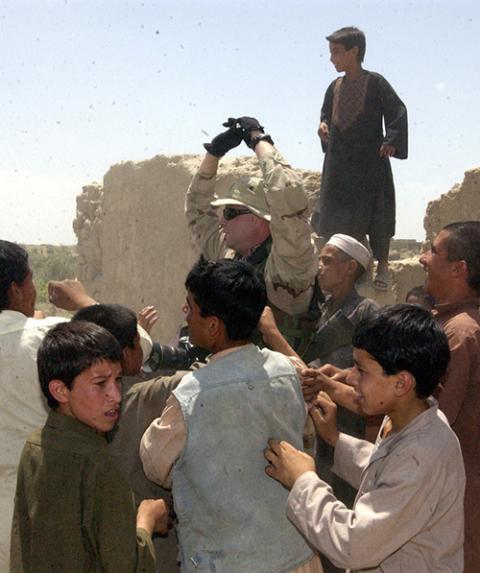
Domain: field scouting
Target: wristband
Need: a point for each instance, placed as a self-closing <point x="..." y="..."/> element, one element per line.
<point x="263" y="137"/>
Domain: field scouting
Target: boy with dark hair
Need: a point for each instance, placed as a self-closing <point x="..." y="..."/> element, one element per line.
<point x="142" y="403"/>
<point x="408" y="514"/>
<point x="417" y="295"/>
<point x="73" y="511"/>
<point x="230" y="518"/>
<point x="357" y="195"/>
<point x="122" y="323"/>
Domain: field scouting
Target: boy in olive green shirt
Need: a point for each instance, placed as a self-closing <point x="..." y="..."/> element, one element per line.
<point x="73" y="511"/>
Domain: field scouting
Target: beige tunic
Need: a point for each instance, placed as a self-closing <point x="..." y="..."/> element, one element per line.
<point x="408" y="514"/>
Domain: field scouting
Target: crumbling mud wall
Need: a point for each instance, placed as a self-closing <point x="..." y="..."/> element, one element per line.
<point x="133" y="243"/>
<point x="134" y="247"/>
<point x="461" y="203"/>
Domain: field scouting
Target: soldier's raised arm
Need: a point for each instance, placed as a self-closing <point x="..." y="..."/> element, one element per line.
<point x="201" y="218"/>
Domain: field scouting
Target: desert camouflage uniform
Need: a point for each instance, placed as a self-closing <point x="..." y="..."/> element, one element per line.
<point x="291" y="264"/>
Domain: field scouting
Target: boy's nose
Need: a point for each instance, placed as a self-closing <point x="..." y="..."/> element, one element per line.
<point x="115" y="392"/>
<point x="352" y="377"/>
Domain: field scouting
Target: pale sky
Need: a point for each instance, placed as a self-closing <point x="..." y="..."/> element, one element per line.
<point x="87" y="84"/>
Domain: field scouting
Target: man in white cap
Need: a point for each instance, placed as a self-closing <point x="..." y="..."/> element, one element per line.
<point x="263" y="221"/>
<point x="342" y="262"/>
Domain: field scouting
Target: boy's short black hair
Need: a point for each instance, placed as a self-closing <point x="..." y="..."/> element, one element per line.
<point x="117" y="319"/>
<point x="230" y="290"/>
<point x="350" y="37"/>
<point x="419" y="292"/>
<point x="463" y="244"/>
<point x="69" y="348"/>
<point x="14" y="268"/>
<point x="406" y="337"/>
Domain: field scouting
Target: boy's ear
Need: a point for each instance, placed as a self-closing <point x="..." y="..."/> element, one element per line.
<point x="404" y="382"/>
<point x="59" y="391"/>
<point x="356" y="50"/>
<point x="213" y="325"/>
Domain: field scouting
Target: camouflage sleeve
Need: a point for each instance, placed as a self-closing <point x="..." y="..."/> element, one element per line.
<point x="292" y="264"/>
<point x="201" y="218"/>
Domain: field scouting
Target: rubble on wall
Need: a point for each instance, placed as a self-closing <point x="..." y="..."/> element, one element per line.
<point x="461" y="203"/>
<point x="88" y="228"/>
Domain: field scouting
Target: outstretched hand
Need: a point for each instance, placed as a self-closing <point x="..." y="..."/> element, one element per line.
<point x="69" y="294"/>
<point x="286" y="463"/>
<point x="147" y="317"/>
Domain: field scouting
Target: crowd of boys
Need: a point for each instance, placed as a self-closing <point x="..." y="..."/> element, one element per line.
<point x="87" y="465"/>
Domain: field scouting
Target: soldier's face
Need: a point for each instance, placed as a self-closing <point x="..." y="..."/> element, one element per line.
<point x="333" y="268"/>
<point x="239" y="232"/>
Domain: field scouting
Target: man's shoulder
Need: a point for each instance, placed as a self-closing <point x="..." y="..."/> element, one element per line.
<point x="465" y="323"/>
<point x="154" y="388"/>
<point x="363" y="302"/>
<point x="15" y="322"/>
<point x="246" y="362"/>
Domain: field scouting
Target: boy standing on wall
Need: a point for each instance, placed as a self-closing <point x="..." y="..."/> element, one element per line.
<point x="357" y="195"/>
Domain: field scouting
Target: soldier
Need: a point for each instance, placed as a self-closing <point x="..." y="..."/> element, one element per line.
<point x="264" y="222"/>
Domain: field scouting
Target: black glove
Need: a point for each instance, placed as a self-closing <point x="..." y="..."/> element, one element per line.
<point x="246" y="125"/>
<point x="224" y="141"/>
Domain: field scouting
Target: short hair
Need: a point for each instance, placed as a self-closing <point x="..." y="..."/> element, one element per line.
<point x="406" y="337"/>
<point x="117" y="319"/>
<point x="463" y="244"/>
<point x="230" y="290"/>
<point x="13" y="268"/>
<point x="349" y="37"/>
<point x="425" y="298"/>
<point x="69" y="348"/>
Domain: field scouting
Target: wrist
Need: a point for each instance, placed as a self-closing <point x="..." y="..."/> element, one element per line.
<point x="264" y="137"/>
<point x="84" y="302"/>
<point x="332" y="439"/>
<point x="146" y="522"/>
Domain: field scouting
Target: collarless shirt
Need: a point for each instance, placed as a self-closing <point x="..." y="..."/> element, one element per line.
<point x="73" y="510"/>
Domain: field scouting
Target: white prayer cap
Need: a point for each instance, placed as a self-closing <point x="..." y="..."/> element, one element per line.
<point x="352" y="247"/>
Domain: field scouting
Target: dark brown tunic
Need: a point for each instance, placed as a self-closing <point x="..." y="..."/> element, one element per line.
<point x="357" y="195"/>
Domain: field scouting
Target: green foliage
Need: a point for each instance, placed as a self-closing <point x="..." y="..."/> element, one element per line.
<point x="51" y="263"/>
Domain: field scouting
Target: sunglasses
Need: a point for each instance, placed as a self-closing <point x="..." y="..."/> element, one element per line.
<point x="230" y="213"/>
